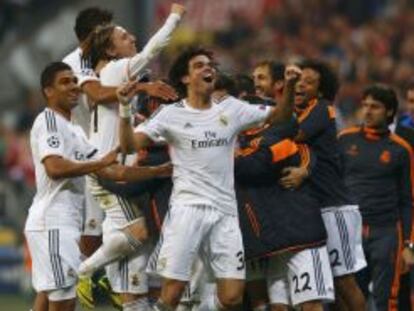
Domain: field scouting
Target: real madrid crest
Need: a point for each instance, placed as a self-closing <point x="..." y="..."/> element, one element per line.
<point x="223" y="120"/>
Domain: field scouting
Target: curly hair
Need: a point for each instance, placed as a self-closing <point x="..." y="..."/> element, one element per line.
<point x="328" y="81"/>
<point x="180" y="66"/>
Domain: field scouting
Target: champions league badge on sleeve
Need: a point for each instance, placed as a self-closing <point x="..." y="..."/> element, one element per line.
<point x="53" y="141"/>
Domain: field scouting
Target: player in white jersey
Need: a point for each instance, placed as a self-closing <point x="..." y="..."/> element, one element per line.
<point x="94" y="93"/>
<point x="203" y="214"/>
<point x="113" y="54"/>
<point x="61" y="155"/>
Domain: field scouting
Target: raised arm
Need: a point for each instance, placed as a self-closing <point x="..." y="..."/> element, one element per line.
<point x="283" y="111"/>
<point x="157" y="42"/>
<point x="129" y="141"/>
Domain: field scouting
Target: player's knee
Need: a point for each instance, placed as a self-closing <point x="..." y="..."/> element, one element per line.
<point x="279" y="307"/>
<point x="230" y="300"/>
<point x="171" y="292"/>
<point x="349" y="291"/>
<point x="312" y="306"/>
<point x="138" y="230"/>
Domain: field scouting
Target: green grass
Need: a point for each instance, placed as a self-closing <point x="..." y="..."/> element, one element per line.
<point x="21" y="303"/>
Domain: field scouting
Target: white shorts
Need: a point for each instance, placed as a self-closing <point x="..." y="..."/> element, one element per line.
<point x="55" y="258"/>
<point x="295" y="278"/>
<point x="344" y="227"/>
<point x="128" y="274"/>
<point x="202" y="230"/>
<point x="119" y="210"/>
<point x="93" y="216"/>
<point x="194" y="288"/>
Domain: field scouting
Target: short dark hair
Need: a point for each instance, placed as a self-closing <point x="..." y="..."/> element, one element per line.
<point x="328" y="82"/>
<point x="227" y="83"/>
<point x="244" y="83"/>
<point x="276" y="69"/>
<point x="179" y="68"/>
<point x="49" y="73"/>
<point x="88" y="19"/>
<point x="384" y="94"/>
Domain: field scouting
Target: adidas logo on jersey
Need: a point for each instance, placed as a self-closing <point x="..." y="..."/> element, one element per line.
<point x="188" y="125"/>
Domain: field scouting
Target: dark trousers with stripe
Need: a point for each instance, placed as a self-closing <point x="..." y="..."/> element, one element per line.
<point x="382" y="248"/>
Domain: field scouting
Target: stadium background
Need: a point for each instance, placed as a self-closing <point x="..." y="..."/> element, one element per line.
<point x="370" y="40"/>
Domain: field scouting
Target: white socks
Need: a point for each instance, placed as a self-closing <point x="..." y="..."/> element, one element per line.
<point x="160" y="306"/>
<point x="136" y="305"/>
<point x="117" y="245"/>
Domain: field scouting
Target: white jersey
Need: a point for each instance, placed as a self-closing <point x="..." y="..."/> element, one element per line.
<point x="84" y="73"/>
<point x="105" y="126"/>
<point x="202" y="144"/>
<point x="58" y="202"/>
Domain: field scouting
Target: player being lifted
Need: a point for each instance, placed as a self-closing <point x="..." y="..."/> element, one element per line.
<point x="203" y="214"/>
<point x="113" y="55"/>
<point x="62" y="156"/>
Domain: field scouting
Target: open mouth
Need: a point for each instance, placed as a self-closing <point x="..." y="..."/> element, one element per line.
<point x="208" y="78"/>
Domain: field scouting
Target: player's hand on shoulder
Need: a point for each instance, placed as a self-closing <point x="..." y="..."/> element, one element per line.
<point x="407" y="259"/>
<point x="293" y="177"/>
<point x="126" y="92"/>
<point x="292" y="74"/>
<point x="178" y="9"/>
<point x="110" y="158"/>
<point x="164" y="170"/>
<point x="160" y="90"/>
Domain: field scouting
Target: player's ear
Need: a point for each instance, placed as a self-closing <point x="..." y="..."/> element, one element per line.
<point x="110" y="52"/>
<point x="390" y="113"/>
<point x="48" y="91"/>
<point x="186" y="79"/>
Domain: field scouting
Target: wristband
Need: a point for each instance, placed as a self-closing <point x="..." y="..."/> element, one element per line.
<point x="409" y="245"/>
<point x="125" y="111"/>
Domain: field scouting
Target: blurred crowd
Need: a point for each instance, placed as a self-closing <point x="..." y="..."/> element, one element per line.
<point x="365" y="41"/>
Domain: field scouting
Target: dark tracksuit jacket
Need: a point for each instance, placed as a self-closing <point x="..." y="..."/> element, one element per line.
<point x="274" y="219"/>
<point x="379" y="172"/>
<point x="317" y="129"/>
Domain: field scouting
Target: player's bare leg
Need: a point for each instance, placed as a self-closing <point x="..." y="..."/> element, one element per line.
<point x="41" y="302"/>
<point x="311" y="306"/>
<point x="89" y="244"/>
<point x="351" y="295"/>
<point x="279" y="307"/>
<point x="230" y="293"/>
<point x="132" y="302"/>
<point x="63" y="305"/>
<point x="229" y="296"/>
<point x="257" y="291"/>
<point x="171" y="292"/>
